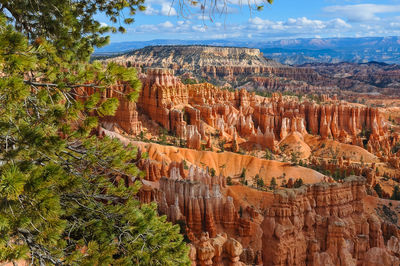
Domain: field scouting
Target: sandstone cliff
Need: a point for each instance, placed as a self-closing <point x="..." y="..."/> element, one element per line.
<point x="264" y="121"/>
<point x="222" y="65"/>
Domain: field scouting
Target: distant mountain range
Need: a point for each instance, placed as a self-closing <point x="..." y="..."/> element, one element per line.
<point x="293" y="51"/>
<point x="248" y="68"/>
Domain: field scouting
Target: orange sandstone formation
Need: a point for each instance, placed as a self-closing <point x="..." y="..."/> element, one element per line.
<point x="191" y="111"/>
<point x="320" y="224"/>
<point x="264" y="121"/>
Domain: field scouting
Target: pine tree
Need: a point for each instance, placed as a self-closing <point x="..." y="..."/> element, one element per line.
<point x="378" y="190"/>
<point x="294" y="158"/>
<point x="268" y="154"/>
<point x="229" y="181"/>
<point x="260" y="183"/>
<point x="298" y="183"/>
<point x="273" y="184"/>
<point x="396" y="193"/>
<point x="63" y="193"/>
<point x="212" y="172"/>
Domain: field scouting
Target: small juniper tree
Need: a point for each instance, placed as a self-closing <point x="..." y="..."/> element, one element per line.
<point x="273" y="184"/>
<point x="378" y="190"/>
<point x="268" y="154"/>
<point x="294" y="158"/>
<point x="259" y="182"/>
<point x="212" y="172"/>
<point x="298" y="183"/>
<point x="396" y="193"/>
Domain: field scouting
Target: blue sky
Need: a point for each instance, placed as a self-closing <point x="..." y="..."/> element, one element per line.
<point x="285" y="19"/>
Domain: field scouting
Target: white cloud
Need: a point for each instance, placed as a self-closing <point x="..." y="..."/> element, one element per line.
<point x="305" y="23"/>
<point x="150" y="11"/>
<point x="296" y="24"/>
<point x="361" y="12"/>
<point x="200" y="28"/>
<point x="259" y="28"/>
<point x="338" y="23"/>
<point x="395" y="25"/>
<point x="167" y="24"/>
<point x="103" y="24"/>
<point x="160" y="7"/>
<point x="167" y="10"/>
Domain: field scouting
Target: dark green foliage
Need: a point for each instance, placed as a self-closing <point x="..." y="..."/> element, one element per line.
<point x="365" y="133"/>
<point x="337" y="175"/>
<point x="266" y="94"/>
<point x="298" y="183"/>
<point x="396" y="147"/>
<point x="189" y="81"/>
<point x="183" y="226"/>
<point x="378" y="190"/>
<point x="163" y="136"/>
<point x="185" y="166"/>
<point x="141" y="135"/>
<point x="294" y="158"/>
<point x="396" y="193"/>
<point x="268" y="154"/>
<point x="273" y="185"/>
<point x="69" y="25"/>
<point x="182" y="143"/>
<point x="243" y="174"/>
<point x="60" y="198"/>
<point x="243" y="180"/>
<point x="229" y="181"/>
<point x="212" y="172"/>
<point x="260" y="182"/>
<point x="222" y="145"/>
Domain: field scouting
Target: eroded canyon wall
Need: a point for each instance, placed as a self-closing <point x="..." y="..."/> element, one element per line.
<point x="264" y="121"/>
<point x="320" y="224"/>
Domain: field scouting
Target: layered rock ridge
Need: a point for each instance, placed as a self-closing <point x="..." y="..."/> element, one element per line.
<point x="187" y="110"/>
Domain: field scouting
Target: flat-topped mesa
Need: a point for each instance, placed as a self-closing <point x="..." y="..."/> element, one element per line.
<point x="194" y="57"/>
<point x="232" y="52"/>
<point x="322" y="224"/>
<point x="226" y="65"/>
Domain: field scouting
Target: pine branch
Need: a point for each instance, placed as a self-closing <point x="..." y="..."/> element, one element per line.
<point x="53" y="85"/>
<point x="96" y="197"/>
<point x="37" y="250"/>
